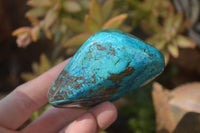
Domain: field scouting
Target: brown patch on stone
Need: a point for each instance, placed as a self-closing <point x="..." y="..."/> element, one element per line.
<point x="59" y="97"/>
<point x="116" y="77"/>
<point x="91" y="91"/>
<point x="108" y="92"/>
<point x="99" y="47"/>
<point x="70" y="91"/>
<point x="111" y="49"/>
<point x="73" y="82"/>
<point x="93" y="77"/>
<point x="60" y="80"/>
<point x="104" y="93"/>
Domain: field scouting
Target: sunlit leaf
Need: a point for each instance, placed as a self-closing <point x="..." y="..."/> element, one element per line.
<point x="75" y="25"/>
<point x="77" y="41"/>
<point x="71" y="6"/>
<point x="168" y="22"/>
<point x="37" y="12"/>
<point x="40" y="3"/>
<point x="161" y="44"/>
<point x="173" y="50"/>
<point x="157" y="41"/>
<point x="35" y="33"/>
<point x="115" y="22"/>
<point x="184" y="42"/>
<point x="91" y="25"/>
<point x="96" y="11"/>
<point x="33" y="19"/>
<point x="166" y="57"/>
<point x="21" y="30"/>
<point x="85" y="4"/>
<point x="50" y="18"/>
<point x="107" y="8"/>
<point x="178" y="21"/>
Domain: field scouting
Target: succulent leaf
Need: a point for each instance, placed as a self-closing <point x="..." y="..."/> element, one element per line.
<point x="96" y="11"/>
<point x="37" y="12"/>
<point x="115" y="22"/>
<point x="71" y="6"/>
<point x="184" y="42"/>
<point x="34" y="21"/>
<point x="21" y="30"/>
<point x="77" y="41"/>
<point x="173" y="50"/>
<point x="50" y="18"/>
<point x="40" y="3"/>
<point x="91" y="24"/>
<point x="74" y="25"/>
<point x="35" y="33"/>
<point x="107" y="8"/>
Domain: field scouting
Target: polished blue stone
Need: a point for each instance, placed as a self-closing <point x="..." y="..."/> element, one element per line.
<point x="109" y="65"/>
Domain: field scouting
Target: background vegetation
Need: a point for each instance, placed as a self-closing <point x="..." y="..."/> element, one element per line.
<point x="53" y="30"/>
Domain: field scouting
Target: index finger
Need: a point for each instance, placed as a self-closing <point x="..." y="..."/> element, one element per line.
<point x="20" y="104"/>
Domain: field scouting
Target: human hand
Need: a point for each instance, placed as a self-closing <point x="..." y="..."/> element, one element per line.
<point x="20" y="104"/>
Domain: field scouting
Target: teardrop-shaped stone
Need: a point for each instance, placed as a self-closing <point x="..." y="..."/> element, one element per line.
<point x="109" y="65"/>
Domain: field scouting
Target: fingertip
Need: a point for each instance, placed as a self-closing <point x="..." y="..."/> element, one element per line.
<point x="105" y="113"/>
<point x="84" y="124"/>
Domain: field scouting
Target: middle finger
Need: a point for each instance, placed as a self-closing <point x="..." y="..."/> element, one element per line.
<point x="53" y="120"/>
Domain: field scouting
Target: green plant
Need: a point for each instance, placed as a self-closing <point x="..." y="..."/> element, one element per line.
<point x="168" y="37"/>
<point x="158" y="20"/>
<point x="99" y="17"/>
<point x="40" y="68"/>
<point x="48" y="17"/>
<point x="139" y="110"/>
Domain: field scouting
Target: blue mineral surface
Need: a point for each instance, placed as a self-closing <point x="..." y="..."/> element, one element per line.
<point x="109" y="65"/>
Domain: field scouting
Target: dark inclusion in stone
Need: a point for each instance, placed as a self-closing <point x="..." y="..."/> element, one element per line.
<point x="109" y="65"/>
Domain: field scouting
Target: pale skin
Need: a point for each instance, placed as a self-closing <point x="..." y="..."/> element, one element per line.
<point x="20" y="104"/>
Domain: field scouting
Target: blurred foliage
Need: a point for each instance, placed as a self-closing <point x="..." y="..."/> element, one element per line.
<point x="158" y="19"/>
<point x="40" y="68"/>
<point x="56" y="19"/>
<point x="168" y="37"/>
<point x="140" y="111"/>
<point x="49" y="17"/>
<point x="99" y="17"/>
<point x="70" y="22"/>
<point x="191" y="9"/>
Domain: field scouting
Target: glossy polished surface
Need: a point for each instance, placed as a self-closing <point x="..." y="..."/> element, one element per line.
<point x="109" y="65"/>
